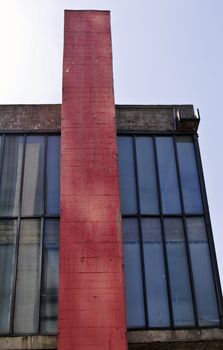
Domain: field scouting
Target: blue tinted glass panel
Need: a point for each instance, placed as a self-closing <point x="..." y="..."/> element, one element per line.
<point x="168" y="175"/>
<point x="53" y="175"/>
<point x="50" y="277"/>
<point x="155" y="274"/>
<point x="189" y="175"/>
<point x="202" y="273"/>
<point x="11" y="176"/>
<point x="28" y="274"/>
<point x="7" y="261"/>
<point x="127" y="175"/>
<point x="179" y="273"/>
<point x="32" y="198"/>
<point x="133" y="274"/>
<point x="147" y="176"/>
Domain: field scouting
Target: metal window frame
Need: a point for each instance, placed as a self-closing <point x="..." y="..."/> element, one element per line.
<point x="19" y="217"/>
<point x="183" y="216"/>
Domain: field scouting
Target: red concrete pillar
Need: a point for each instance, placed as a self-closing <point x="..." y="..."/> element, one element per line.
<point x="91" y="292"/>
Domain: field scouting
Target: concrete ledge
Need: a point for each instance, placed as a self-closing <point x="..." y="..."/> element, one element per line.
<point x="30" y="117"/>
<point x="153" y="117"/>
<point x="205" y="339"/>
<point x="29" y="342"/>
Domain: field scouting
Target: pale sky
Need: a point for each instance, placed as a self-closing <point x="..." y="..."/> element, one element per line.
<point x="164" y="51"/>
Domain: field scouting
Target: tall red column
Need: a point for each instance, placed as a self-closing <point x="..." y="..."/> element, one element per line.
<point x="91" y="292"/>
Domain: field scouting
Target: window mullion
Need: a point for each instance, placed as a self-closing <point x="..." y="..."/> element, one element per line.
<point x="163" y="237"/>
<point x="1" y="157"/>
<point x="42" y="228"/>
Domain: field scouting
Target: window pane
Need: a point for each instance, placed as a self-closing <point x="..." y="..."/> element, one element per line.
<point x="28" y="271"/>
<point x="133" y="274"/>
<point x="189" y="175"/>
<point x="32" y="199"/>
<point x="127" y="175"/>
<point x="155" y="274"/>
<point x="7" y="260"/>
<point x="168" y="175"/>
<point x="53" y="175"/>
<point x="50" y="271"/>
<point x="11" y="175"/>
<point x="179" y="274"/>
<point x="202" y="272"/>
<point x="147" y="176"/>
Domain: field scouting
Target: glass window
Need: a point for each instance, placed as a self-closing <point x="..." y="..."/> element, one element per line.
<point x="127" y="175"/>
<point x="49" y="290"/>
<point x="11" y="176"/>
<point x="28" y="275"/>
<point x="7" y="265"/>
<point x="155" y="273"/>
<point x="202" y="272"/>
<point x="165" y="251"/>
<point x="133" y="274"/>
<point x="168" y="175"/>
<point x="179" y="274"/>
<point x="29" y="233"/>
<point x="189" y="175"/>
<point x="147" y="176"/>
<point x="53" y="175"/>
<point x="32" y="198"/>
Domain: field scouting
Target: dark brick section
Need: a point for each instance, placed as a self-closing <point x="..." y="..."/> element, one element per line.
<point x="153" y="118"/>
<point x="30" y="117"/>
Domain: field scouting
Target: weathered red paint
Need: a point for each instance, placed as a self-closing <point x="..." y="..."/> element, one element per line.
<point x="91" y="292"/>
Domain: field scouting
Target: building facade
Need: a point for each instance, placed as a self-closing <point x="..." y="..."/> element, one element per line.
<point x="105" y="233"/>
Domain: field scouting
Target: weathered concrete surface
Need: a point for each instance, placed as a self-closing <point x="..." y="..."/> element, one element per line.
<point x="30" y="117"/>
<point x="151" y="118"/>
<point x="206" y="339"/>
<point x="34" y="342"/>
<point x="92" y="313"/>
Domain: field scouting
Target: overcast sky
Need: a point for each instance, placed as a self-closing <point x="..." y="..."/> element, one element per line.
<point x="165" y="52"/>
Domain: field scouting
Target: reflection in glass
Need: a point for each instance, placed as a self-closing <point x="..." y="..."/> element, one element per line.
<point x="202" y="272"/>
<point x="28" y="274"/>
<point x="53" y="175"/>
<point x="179" y="273"/>
<point x="133" y="274"/>
<point x="32" y="199"/>
<point x="127" y="175"/>
<point x="11" y="175"/>
<point x="146" y="176"/>
<point x="189" y="175"/>
<point x="7" y="260"/>
<point x="168" y="175"/>
<point x="155" y="274"/>
<point x="50" y="271"/>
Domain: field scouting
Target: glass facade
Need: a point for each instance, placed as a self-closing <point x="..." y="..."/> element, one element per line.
<point x="29" y="233"/>
<point x="165" y="229"/>
<point x="166" y="245"/>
